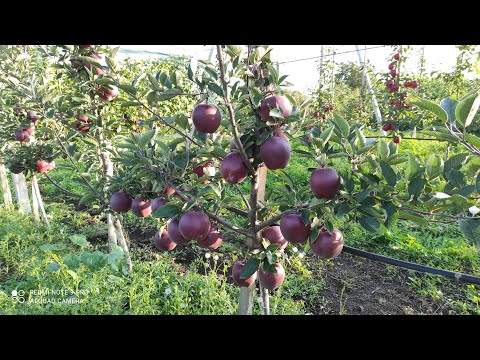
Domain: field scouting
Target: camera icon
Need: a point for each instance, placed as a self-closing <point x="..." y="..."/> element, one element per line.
<point x="18" y="296"/>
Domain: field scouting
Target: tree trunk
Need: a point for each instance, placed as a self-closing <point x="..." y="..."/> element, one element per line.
<point x="40" y="201"/>
<point x="7" y="195"/>
<point x="376" y="109"/>
<point x="21" y="193"/>
<point x="108" y="173"/>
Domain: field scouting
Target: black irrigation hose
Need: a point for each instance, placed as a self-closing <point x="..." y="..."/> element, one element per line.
<point x="412" y="266"/>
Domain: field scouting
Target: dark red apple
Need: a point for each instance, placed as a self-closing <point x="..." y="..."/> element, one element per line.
<point x="325" y="183"/>
<point x="328" y="245"/>
<point x="396" y="56"/>
<point x="394" y="88"/>
<point x="107" y="94"/>
<point x="316" y="114"/>
<point x="237" y="270"/>
<point x="42" y="166"/>
<point x="141" y="207"/>
<point x="85" y="46"/>
<point x="22" y="135"/>
<point x="280" y="134"/>
<point x="326" y="110"/>
<point x="324" y="116"/>
<point x="331" y="108"/>
<point x="98" y="70"/>
<point x="200" y="170"/>
<point x="82" y="118"/>
<point x="206" y="118"/>
<point x="271" y="103"/>
<point x="233" y="168"/>
<point x="169" y="191"/>
<point x="407" y="84"/>
<point x="391" y="66"/>
<point x="174" y="233"/>
<point x="396" y="139"/>
<point x="389" y="83"/>
<point x="120" y="202"/>
<point x="393" y="73"/>
<point x="270" y="280"/>
<point x="293" y="229"/>
<point x="163" y="242"/>
<point x="275" y="153"/>
<point x="31" y="115"/>
<point x="274" y="235"/>
<point x="194" y="225"/>
<point x="15" y="168"/>
<point x="47" y="136"/>
<point x="213" y="240"/>
<point x="413" y="84"/>
<point x="156" y="203"/>
<point x="386" y="127"/>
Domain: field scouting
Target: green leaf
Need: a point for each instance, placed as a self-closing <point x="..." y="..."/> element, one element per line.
<point x="432" y="107"/>
<point x="79" y="240"/>
<point x="473" y="140"/>
<point x="153" y="81"/>
<point x="415" y="186"/>
<point x="448" y="104"/>
<point x="130" y="103"/>
<point x="392" y="215"/>
<point x="276" y="113"/>
<point x="128" y="88"/>
<point x="326" y="134"/>
<point x="462" y="111"/>
<point x="51" y="247"/>
<point x="251" y="266"/>
<point x="477" y="183"/>
<point x="167" y="211"/>
<point x="168" y="94"/>
<point x="440" y="135"/>
<point x="434" y="166"/>
<point x="456" y="178"/>
<point x="361" y="138"/>
<point x="413" y="167"/>
<point x="73" y="274"/>
<point x="305" y="216"/>
<point x="414" y="218"/>
<point x="53" y="266"/>
<point x="342" y="125"/>
<point x="388" y="173"/>
<point x="145" y="138"/>
<point x="343" y="209"/>
<point x="454" y="163"/>
<point x="473" y="110"/>
<point x="471" y="230"/>
<point x="216" y="89"/>
<point x="369" y="223"/>
<point x="383" y="150"/>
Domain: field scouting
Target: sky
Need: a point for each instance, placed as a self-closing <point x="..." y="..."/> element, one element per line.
<point x="304" y="74"/>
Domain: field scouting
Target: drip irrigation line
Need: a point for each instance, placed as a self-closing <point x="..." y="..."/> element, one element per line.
<point x="412" y="266"/>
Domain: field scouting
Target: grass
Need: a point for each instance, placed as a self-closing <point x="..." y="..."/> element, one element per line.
<point x="73" y="256"/>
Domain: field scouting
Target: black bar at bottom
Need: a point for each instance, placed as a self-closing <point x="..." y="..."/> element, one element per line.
<point x="412" y="266"/>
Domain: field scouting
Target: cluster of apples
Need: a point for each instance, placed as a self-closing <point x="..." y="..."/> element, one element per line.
<point x="104" y="92"/>
<point x="391" y="127"/>
<point x="326" y="109"/>
<point x="83" y="123"/>
<point x="23" y="134"/>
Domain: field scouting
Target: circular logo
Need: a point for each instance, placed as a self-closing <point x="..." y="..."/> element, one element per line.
<point x="14" y="292"/>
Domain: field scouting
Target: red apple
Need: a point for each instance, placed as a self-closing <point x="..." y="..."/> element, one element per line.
<point x="194" y="225"/>
<point x="206" y="118"/>
<point x="413" y="84"/>
<point x="280" y="134"/>
<point x="107" y="94"/>
<point x="174" y="233"/>
<point x="158" y="202"/>
<point x="31" y="115"/>
<point x="407" y="84"/>
<point x="271" y="103"/>
<point x="169" y="191"/>
<point x="82" y="118"/>
<point x="201" y="170"/>
<point x="396" y="56"/>
<point x="394" y="88"/>
<point x="275" y="153"/>
<point x="237" y="270"/>
<point x="22" y="135"/>
<point x="120" y="202"/>
<point x="51" y="166"/>
<point x="324" y="116"/>
<point x="389" y="83"/>
<point x="331" y="108"/>
<point x="141" y="207"/>
<point x="85" y="46"/>
<point x="233" y="168"/>
<point x="293" y="229"/>
<point x="30" y="130"/>
<point x="393" y="73"/>
<point x="42" y="166"/>
<point x="163" y="242"/>
<point x="391" y="66"/>
<point x="270" y="280"/>
<point x="316" y="114"/>
<point x="328" y="245"/>
<point x="325" y="183"/>
<point x="386" y="127"/>
<point x="213" y="240"/>
<point x="396" y="139"/>
<point x="274" y="235"/>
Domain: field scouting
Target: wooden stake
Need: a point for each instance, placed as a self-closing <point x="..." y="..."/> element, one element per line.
<point x="7" y="195"/>
<point x="40" y="201"/>
<point x="36" y="214"/>
<point x="21" y="193"/>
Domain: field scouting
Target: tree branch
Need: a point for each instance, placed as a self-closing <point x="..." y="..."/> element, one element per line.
<point x="231" y="113"/>
<point x="437" y="214"/>
<point x="274" y="219"/>
<point x="247" y="204"/>
<point x="69" y="193"/>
